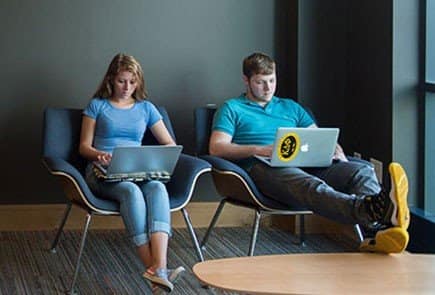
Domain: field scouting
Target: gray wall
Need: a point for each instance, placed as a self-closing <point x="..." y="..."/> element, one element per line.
<point x="405" y="118"/>
<point x="353" y="62"/>
<point x="55" y="52"/>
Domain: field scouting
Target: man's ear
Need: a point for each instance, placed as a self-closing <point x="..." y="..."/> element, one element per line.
<point x="245" y="79"/>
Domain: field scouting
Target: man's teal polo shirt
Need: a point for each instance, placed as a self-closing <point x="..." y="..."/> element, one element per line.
<point x="250" y="123"/>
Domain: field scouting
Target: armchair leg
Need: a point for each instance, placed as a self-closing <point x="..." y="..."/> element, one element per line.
<point x="192" y="234"/>
<point x="213" y="222"/>
<point x="254" y="232"/>
<point x="358" y="232"/>
<point x="60" y="229"/>
<point x="82" y="246"/>
<point x="302" y="230"/>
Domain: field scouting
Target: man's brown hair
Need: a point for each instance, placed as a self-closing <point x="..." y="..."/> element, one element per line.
<point x="258" y="63"/>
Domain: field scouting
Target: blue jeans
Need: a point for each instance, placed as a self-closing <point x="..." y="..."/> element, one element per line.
<point x="335" y="192"/>
<point x="144" y="206"/>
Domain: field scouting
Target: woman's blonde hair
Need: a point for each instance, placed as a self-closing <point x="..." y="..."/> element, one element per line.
<point x="122" y="62"/>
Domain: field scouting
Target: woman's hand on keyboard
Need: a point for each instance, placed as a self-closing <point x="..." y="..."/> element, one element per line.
<point x="104" y="158"/>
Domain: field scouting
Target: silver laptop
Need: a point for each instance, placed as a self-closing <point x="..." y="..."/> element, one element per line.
<point x="302" y="147"/>
<point x="138" y="163"/>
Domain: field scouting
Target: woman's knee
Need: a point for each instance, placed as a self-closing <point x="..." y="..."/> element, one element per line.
<point x="153" y="188"/>
<point x="130" y="193"/>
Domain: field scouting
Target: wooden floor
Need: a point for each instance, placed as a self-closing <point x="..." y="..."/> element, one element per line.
<point x="110" y="264"/>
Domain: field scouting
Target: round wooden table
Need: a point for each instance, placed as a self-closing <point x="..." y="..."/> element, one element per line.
<point x="345" y="273"/>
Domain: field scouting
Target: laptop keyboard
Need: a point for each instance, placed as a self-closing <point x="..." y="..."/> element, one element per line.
<point x="162" y="176"/>
<point x="140" y="176"/>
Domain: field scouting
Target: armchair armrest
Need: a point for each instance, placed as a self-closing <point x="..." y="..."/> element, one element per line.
<point x="183" y="180"/>
<point x="60" y="167"/>
<point x="238" y="185"/>
<point x="224" y="165"/>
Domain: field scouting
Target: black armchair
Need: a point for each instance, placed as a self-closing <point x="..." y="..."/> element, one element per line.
<point x="235" y="185"/>
<point x="61" y="134"/>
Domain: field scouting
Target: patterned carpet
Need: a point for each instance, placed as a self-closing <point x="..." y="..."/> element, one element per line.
<point x="110" y="266"/>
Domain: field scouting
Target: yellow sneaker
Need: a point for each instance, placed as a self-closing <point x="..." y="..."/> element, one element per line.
<point x="390" y="240"/>
<point x="398" y="195"/>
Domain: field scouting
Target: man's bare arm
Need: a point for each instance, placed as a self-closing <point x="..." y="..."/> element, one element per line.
<point x="221" y="146"/>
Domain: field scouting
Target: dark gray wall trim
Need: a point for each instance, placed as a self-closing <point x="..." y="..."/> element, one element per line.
<point x="429" y="87"/>
<point x="421" y="232"/>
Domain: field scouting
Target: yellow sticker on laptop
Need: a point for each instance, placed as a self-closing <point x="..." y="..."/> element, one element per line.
<point x="288" y="146"/>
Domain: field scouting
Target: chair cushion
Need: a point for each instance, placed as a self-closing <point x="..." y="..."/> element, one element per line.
<point x="258" y="197"/>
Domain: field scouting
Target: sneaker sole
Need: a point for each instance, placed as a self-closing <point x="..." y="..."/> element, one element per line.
<point x="398" y="195"/>
<point x="173" y="278"/>
<point x="391" y="240"/>
<point x="175" y="274"/>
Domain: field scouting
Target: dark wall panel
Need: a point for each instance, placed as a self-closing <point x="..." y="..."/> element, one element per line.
<point x="322" y="59"/>
<point x="369" y="72"/>
<point x="286" y="47"/>
<point x="345" y="70"/>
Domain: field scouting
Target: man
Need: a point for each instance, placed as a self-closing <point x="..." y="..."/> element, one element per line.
<point x="346" y="191"/>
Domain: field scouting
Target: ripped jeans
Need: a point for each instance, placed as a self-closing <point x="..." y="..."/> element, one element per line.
<point x="144" y="206"/>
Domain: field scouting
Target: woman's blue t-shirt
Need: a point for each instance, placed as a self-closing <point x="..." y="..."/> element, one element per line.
<point x="120" y="127"/>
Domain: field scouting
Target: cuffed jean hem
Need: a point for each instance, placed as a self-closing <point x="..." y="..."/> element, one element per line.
<point x="158" y="226"/>
<point x="140" y="240"/>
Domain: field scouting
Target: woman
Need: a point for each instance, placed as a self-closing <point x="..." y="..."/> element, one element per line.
<point x="118" y="115"/>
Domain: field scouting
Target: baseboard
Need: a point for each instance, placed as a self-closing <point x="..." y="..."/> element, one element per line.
<point x="314" y="224"/>
<point x="48" y="216"/>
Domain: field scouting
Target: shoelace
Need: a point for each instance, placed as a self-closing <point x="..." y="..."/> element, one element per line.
<point x="377" y="206"/>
